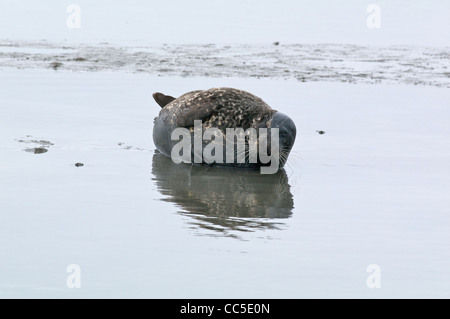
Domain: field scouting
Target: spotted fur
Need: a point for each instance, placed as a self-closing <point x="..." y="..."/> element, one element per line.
<point x="218" y="108"/>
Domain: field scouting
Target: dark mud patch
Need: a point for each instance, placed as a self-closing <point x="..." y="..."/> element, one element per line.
<point x="129" y="147"/>
<point x="56" y="65"/>
<point x="40" y="142"/>
<point x="42" y="146"/>
<point x="304" y="62"/>
<point x="36" y="150"/>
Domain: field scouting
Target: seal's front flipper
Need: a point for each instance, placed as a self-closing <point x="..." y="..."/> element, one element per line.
<point x="162" y="99"/>
<point x="195" y="112"/>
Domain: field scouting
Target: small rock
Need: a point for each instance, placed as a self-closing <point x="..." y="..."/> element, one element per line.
<point x="79" y="164"/>
<point x="321" y="132"/>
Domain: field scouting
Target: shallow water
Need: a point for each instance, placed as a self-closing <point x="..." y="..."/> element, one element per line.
<point x="371" y="190"/>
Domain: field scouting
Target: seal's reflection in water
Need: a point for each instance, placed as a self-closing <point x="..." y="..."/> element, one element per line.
<point x="224" y="201"/>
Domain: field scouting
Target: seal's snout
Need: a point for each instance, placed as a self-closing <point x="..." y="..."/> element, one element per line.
<point x="287" y="130"/>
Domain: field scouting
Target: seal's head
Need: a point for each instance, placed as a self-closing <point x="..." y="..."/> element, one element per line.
<point x="287" y="132"/>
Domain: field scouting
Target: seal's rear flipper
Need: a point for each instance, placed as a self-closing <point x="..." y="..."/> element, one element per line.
<point x="162" y="99"/>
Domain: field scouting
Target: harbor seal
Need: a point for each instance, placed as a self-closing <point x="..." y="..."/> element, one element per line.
<point x="228" y="114"/>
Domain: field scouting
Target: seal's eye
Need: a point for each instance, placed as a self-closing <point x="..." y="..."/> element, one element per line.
<point x="285" y="139"/>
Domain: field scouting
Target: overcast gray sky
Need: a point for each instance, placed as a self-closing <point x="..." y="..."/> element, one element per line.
<point x="415" y="22"/>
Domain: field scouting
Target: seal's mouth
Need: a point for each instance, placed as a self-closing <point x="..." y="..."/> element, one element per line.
<point x="283" y="151"/>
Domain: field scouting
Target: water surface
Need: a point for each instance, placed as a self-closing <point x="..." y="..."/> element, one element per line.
<point x="224" y="201"/>
<point x="372" y="190"/>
